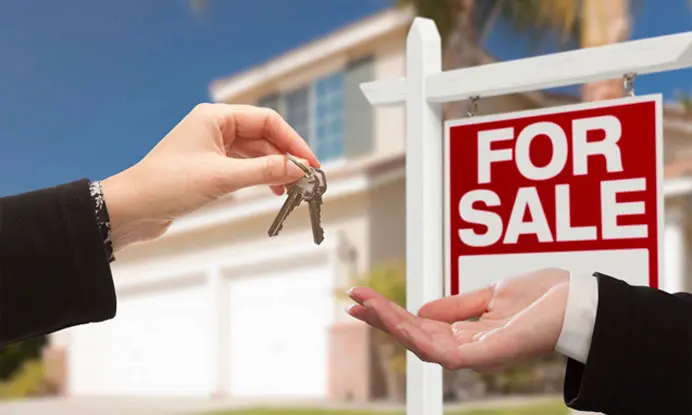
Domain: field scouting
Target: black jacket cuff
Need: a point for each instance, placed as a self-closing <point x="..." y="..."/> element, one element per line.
<point x="54" y="270"/>
<point x="640" y="359"/>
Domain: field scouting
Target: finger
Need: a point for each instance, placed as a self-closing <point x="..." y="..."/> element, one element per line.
<point x="269" y="170"/>
<point x="492" y="369"/>
<point x="365" y="315"/>
<point x="235" y="155"/>
<point x="369" y="316"/>
<point x="464" y="331"/>
<point x="276" y="189"/>
<point x="418" y="342"/>
<point x="403" y="331"/>
<point x="458" y="307"/>
<point x="363" y="294"/>
<point x="247" y="121"/>
<point x="249" y="148"/>
<point x="414" y="333"/>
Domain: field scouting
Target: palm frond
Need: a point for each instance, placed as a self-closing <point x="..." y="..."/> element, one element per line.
<point x="442" y="12"/>
<point x="198" y="6"/>
<point x="541" y="20"/>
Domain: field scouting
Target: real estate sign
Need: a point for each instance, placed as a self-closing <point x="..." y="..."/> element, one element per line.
<point x="577" y="187"/>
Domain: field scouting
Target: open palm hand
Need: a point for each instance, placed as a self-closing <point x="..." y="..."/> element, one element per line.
<point x="514" y="320"/>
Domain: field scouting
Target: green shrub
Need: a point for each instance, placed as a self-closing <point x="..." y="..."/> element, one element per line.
<point x="389" y="279"/>
<point x="27" y="381"/>
<point x="13" y="356"/>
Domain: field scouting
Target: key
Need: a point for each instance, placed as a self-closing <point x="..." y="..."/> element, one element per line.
<point x="299" y="191"/>
<point x="315" y="206"/>
<point x="292" y="201"/>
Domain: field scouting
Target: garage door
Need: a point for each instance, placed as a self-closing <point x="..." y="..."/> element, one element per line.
<point x="278" y="330"/>
<point x="158" y="344"/>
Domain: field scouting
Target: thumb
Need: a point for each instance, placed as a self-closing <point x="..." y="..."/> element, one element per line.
<point x="458" y="307"/>
<point x="267" y="170"/>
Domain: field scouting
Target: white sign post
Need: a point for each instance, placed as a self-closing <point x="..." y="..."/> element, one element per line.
<point x="423" y="213"/>
<point x="424" y="89"/>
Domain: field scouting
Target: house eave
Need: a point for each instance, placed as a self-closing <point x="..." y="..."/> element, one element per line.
<point x="347" y="38"/>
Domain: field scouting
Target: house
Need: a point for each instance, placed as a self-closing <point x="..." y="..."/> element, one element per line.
<point x="217" y="308"/>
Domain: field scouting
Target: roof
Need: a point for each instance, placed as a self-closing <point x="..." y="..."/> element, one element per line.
<point x="348" y="37"/>
<point x="386" y="22"/>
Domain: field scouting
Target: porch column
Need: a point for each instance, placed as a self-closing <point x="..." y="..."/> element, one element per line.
<point x="218" y="303"/>
<point x="674" y="251"/>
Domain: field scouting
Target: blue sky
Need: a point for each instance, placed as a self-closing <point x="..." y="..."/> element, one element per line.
<point x="88" y="87"/>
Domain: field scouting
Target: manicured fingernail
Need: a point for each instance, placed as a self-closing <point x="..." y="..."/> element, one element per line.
<point x="350" y="308"/>
<point x="350" y="291"/>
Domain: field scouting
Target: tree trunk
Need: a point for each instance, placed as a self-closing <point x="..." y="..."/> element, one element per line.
<point x="461" y="51"/>
<point x="603" y="23"/>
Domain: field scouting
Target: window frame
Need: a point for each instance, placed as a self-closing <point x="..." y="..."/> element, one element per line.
<point x="312" y="101"/>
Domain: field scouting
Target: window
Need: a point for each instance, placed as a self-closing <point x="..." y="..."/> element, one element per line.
<point x="297" y="111"/>
<point x="271" y="101"/>
<point x="316" y="112"/>
<point x="329" y="117"/>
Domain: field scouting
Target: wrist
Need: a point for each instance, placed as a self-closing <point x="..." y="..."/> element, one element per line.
<point x="102" y="218"/>
<point x="558" y="296"/>
<point x="129" y="221"/>
<point x="579" y="318"/>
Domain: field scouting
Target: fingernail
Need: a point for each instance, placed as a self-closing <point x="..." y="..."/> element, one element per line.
<point x="350" y="291"/>
<point x="350" y="308"/>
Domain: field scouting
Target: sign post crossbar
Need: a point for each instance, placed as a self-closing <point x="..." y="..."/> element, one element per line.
<point x="423" y="90"/>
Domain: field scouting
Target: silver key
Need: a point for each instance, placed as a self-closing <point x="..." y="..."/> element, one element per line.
<point x="315" y="206"/>
<point x="292" y="201"/>
<point x="299" y="191"/>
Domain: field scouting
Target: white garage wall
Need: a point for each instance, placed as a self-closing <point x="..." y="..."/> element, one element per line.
<point x="278" y="331"/>
<point x="172" y="335"/>
<point x="158" y="344"/>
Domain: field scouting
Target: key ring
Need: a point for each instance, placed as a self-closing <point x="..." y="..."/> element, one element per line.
<point x="628" y="83"/>
<point x="299" y="164"/>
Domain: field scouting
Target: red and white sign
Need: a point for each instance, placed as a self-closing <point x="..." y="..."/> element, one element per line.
<point x="578" y="187"/>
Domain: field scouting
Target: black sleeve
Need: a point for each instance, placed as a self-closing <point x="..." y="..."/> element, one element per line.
<point x="640" y="360"/>
<point x="54" y="269"/>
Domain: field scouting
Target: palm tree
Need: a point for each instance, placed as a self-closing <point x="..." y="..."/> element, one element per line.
<point x="604" y="22"/>
<point x="198" y="5"/>
<point x="685" y="100"/>
<point x="463" y="24"/>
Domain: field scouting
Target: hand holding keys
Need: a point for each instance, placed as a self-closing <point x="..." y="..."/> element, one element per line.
<point x="310" y="189"/>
